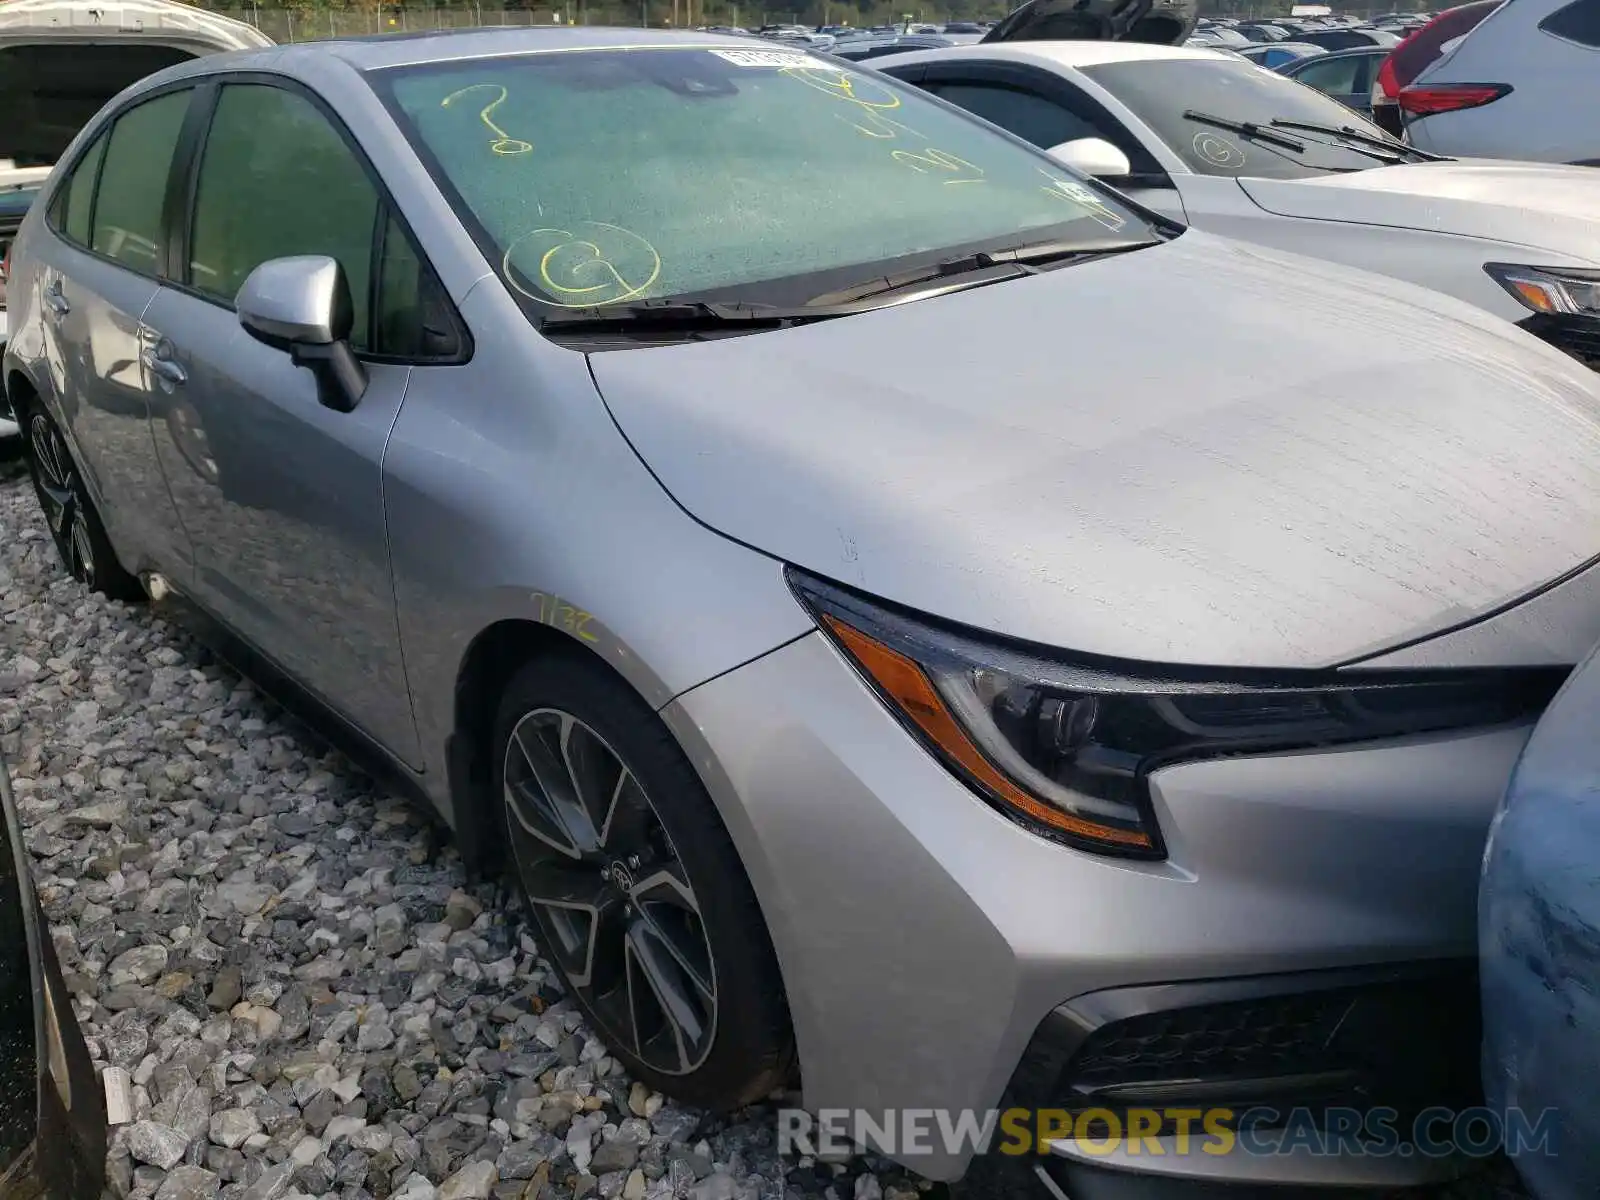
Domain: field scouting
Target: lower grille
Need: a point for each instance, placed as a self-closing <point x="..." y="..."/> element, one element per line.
<point x="1404" y="1038"/>
<point x="1578" y="336"/>
<point x="1245" y="1039"/>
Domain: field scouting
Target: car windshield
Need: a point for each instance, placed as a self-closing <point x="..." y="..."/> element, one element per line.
<point x="1161" y="92"/>
<point x="605" y="176"/>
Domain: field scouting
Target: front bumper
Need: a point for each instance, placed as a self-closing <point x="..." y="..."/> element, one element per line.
<point x="923" y="937"/>
<point x="1574" y="335"/>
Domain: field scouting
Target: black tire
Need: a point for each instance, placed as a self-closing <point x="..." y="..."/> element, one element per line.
<point x="75" y="526"/>
<point x="746" y="1047"/>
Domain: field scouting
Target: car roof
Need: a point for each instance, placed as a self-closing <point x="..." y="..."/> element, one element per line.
<point x="384" y="50"/>
<point x="1081" y="53"/>
<point x="1356" y="52"/>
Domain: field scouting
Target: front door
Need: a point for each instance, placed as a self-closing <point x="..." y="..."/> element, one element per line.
<point x="281" y="496"/>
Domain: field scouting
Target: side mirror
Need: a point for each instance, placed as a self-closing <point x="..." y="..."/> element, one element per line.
<point x="302" y="305"/>
<point x="1093" y="156"/>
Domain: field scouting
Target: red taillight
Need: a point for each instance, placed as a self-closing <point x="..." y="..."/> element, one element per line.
<point x="1423" y="100"/>
<point x="1387" y="85"/>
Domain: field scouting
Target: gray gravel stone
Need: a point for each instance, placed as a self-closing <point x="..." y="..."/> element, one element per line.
<point x="159" y="1145"/>
<point x="234" y="1127"/>
<point x="188" y="1183"/>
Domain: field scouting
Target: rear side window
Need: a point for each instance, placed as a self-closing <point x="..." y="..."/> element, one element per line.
<point x="277" y="179"/>
<point x="76" y="205"/>
<point x="133" y="183"/>
<point x="1577" y="22"/>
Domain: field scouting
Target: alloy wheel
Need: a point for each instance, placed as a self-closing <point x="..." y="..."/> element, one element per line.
<point x="59" y="496"/>
<point x="611" y="893"/>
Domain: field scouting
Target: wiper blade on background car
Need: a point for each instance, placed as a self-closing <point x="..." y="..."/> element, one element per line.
<point x="1392" y="150"/>
<point x="1249" y="129"/>
<point x="1011" y="262"/>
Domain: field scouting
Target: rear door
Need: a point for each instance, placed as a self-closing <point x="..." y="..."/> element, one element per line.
<point x="99" y="272"/>
<point x="281" y="496"/>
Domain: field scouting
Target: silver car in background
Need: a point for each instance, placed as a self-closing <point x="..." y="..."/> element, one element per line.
<point x="830" y="550"/>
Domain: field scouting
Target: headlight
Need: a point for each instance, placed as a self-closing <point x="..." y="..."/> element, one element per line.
<point x="1066" y="744"/>
<point x="1568" y="291"/>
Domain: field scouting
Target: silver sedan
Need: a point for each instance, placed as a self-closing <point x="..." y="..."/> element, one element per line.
<point x="914" y="622"/>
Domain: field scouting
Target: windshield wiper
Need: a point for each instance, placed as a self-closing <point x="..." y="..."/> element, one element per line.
<point x="686" y="315"/>
<point x="709" y="315"/>
<point x="1249" y="129"/>
<point x="1011" y="262"/>
<point x="1379" y="147"/>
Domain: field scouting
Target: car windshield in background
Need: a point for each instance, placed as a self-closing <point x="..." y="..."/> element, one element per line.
<point x="1160" y="92"/>
<point x="754" y="174"/>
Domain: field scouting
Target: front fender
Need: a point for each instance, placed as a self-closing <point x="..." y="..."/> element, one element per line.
<point x="511" y="496"/>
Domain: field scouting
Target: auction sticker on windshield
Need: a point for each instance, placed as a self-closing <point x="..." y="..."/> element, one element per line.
<point x="766" y="58"/>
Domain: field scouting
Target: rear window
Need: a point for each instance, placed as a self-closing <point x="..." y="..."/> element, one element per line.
<point x="1160" y="91"/>
<point x="1577" y="22"/>
<point x="49" y="92"/>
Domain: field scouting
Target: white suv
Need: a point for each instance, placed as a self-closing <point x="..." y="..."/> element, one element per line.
<point x="1525" y="83"/>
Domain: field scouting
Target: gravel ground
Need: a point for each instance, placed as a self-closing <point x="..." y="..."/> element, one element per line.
<point x="285" y="970"/>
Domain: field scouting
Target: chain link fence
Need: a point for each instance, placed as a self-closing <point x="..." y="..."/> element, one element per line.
<point x="300" y="25"/>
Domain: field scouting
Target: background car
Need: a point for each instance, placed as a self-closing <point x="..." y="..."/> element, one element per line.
<point x="1407" y="60"/>
<point x="61" y="60"/>
<point x="1523" y="83"/>
<point x="1156" y="22"/>
<point x="52" y="1107"/>
<point x="1539" y="943"/>
<point x="17" y="190"/>
<point x="1280" y="54"/>
<point x="1229" y="147"/>
<point x="1346" y="75"/>
<point x="1349" y="39"/>
<point x="863" y="48"/>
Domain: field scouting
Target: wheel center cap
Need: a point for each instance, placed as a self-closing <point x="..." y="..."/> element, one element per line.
<point x="621" y="877"/>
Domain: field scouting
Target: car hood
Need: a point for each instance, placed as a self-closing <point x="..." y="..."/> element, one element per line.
<point x="1553" y="208"/>
<point x="1204" y="452"/>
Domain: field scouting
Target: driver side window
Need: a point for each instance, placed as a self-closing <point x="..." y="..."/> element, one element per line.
<point x="276" y="179"/>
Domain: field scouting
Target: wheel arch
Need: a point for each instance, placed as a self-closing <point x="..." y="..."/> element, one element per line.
<point x="492" y="658"/>
<point x="19" y="389"/>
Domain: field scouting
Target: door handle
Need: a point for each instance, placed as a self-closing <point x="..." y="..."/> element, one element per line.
<point x="55" y="301"/>
<point x="163" y="368"/>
